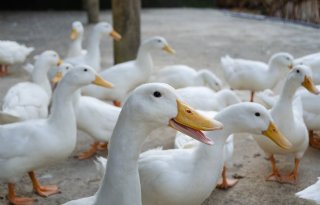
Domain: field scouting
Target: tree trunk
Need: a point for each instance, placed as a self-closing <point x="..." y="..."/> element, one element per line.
<point x="92" y="7"/>
<point x="126" y="21"/>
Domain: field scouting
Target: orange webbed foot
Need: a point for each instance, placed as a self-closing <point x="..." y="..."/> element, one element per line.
<point x="227" y="183"/>
<point x="47" y="190"/>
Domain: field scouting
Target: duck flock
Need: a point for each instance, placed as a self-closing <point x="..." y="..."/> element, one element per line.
<point x="119" y="106"/>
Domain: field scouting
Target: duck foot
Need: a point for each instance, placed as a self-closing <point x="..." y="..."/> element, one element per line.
<point x="90" y="152"/>
<point x="102" y="146"/>
<point x="117" y="103"/>
<point x="226" y="183"/>
<point x="43" y="191"/>
<point x="314" y="140"/>
<point x="13" y="199"/>
<point x="289" y="179"/>
<point x="275" y="175"/>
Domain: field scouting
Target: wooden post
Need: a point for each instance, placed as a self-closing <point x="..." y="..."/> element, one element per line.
<point x="126" y="21"/>
<point x="92" y="7"/>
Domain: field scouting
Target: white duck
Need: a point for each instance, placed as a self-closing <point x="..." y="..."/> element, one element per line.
<point x="311" y="193"/>
<point x="30" y="100"/>
<point x="148" y="107"/>
<point x="33" y="144"/>
<point x="102" y="121"/>
<point x="128" y="75"/>
<point x="181" y="76"/>
<point x="288" y="116"/>
<point x="311" y="111"/>
<point x="188" y="176"/>
<point x="255" y="76"/>
<point x="203" y="98"/>
<point x="93" y="56"/>
<point x="76" y="35"/>
<point x="11" y="53"/>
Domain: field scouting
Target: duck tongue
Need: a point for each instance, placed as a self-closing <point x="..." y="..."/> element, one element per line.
<point x="196" y="134"/>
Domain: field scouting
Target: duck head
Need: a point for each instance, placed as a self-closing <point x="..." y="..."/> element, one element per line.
<point x="302" y="75"/>
<point x="76" y="30"/>
<point x="157" y="105"/>
<point x="160" y="43"/>
<point x="283" y="60"/>
<point x="106" y="28"/>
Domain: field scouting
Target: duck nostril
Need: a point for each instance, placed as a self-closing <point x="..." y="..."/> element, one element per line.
<point x="189" y="111"/>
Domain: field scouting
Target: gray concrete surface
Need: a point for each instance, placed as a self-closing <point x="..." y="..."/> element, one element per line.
<point x="200" y="37"/>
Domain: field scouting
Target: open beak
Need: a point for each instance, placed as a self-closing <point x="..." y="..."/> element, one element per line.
<point x="275" y="135"/>
<point x="101" y="82"/>
<point x="56" y="78"/>
<point x="59" y="62"/>
<point x="308" y="84"/>
<point x="168" y="49"/>
<point x="190" y="122"/>
<point x="74" y="34"/>
<point x="115" y="35"/>
<point x="290" y="66"/>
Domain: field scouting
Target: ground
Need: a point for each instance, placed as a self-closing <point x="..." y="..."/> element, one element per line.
<point x="200" y="37"/>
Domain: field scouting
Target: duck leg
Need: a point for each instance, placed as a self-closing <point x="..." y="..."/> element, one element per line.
<point x="251" y="96"/>
<point x="314" y="141"/>
<point x="43" y="191"/>
<point x="117" y="103"/>
<point x="3" y="70"/>
<point x="292" y="178"/>
<point x="90" y="152"/>
<point x="226" y="183"/>
<point x="275" y="175"/>
<point x="13" y="199"/>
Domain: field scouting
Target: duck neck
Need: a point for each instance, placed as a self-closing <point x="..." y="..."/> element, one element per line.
<point x="144" y="59"/>
<point x="76" y="98"/>
<point x="93" y="50"/>
<point x="121" y="183"/>
<point x="284" y="104"/>
<point x="39" y="76"/>
<point x="77" y="43"/>
<point x="62" y="108"/>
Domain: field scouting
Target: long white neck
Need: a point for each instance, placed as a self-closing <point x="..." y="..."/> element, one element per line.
<point x="62" y="115"/>
<point x="93" y="51"/>
<point x="76" y="45"/>
<point x="275" y="73"/>
<point x="284" y="103"/>
<point x="39" y="75"/>
<point x="144" y="59"/>
<point x="121" y="183"/>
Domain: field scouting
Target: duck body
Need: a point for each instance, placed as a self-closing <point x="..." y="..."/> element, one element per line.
<point x="254" y="75"/>
<point x="203" y="98"/>
<point x="11" y="52"/>
<point x="30" y="100"/>
<point x="181" y="76"/>
<point x="128" y="75"/>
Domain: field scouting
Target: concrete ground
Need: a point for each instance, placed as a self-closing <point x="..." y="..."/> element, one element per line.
<point x="200" y="37"/>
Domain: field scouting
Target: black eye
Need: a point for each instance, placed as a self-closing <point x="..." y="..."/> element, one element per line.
<point x="67" y="68"/>
<point x="85" y="70"/>
<point x="298" y="71"/>
<point x="157" y="94"/>
<point x="287" y="58"/>
<point x="257" y="114"/>
<point x="159" y="41"/>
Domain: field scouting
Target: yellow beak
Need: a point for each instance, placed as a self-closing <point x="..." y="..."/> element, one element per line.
<point x="115" y="35"/>
<point x="59" y="62"/>
<point x="101" y="82"/>
<point x="290" y="66"/>
<point x="308" y="84"/>
<point x="189" y="117"/>
<point x="56" y="78"/>
<point x="168" y="49"/>
<point x="74" y="34"/>
<point x="275" y="135"/>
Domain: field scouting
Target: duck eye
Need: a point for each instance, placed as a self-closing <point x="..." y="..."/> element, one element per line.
<point x="298" y="71"/>
<point x="157" y="94"/>
<point x="159" y="41"/>
<point x="67" y="68"/>
<point x="257" y="114"/>
<point x="85" y="70"/>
